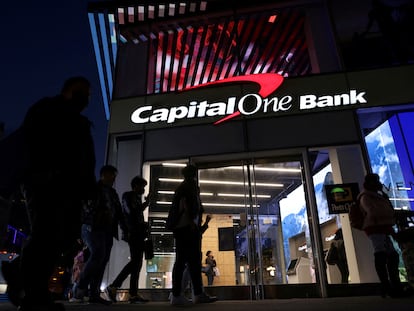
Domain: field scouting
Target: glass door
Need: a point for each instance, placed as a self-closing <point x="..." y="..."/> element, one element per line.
<point x="258" y="233"/>
<point x="259" y="221"/>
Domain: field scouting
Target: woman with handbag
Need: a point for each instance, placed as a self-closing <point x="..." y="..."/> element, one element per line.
<point x="210" y="264"/>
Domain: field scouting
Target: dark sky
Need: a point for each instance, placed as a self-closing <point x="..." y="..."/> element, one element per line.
<point x="43" y="43"/>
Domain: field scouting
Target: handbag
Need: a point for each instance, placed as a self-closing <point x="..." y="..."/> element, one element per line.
<point x="148" y="249"/>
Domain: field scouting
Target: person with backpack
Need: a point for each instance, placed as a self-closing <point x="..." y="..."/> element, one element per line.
<point x="378" y="222"/>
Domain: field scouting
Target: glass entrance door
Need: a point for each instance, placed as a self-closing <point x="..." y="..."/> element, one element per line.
<point x="258" y="231"/>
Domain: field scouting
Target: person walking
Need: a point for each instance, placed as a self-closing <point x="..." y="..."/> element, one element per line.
<point x="60" y="159"/>
<point x="100" y="226"/>
<point x="186" y="281"/>
<point x="134" y="234"/>
<point x="187" y="235"/>
<point x="378" y="225"/>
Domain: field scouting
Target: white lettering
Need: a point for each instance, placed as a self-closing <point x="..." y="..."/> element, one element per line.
<point x="159" y="115"/>
<point x="136" y="115"/>
<point x="217" y="109"/>
<point x="192" y="110"/>
<point x="202" y="109"/>
<point x="307" y="102"/>
<point x="258" y="104"/>
<point x="278" y="104"/>
<point x="357" y="98"/>
<point x="311" y="101"/>
<point x="177" y="113"/>
<point x="231" y="104"/>
<point x="247" y="105"/>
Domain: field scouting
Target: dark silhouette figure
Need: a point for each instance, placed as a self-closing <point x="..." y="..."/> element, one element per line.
<point x="60" y="174"/>
<point x="186" y="281"/>
<point x="102" y="215"/>
<point x="134" y="234"/>
<point x="378" y="225"/>
<point x="187" y="235"/>
<point x="337" y="250"/>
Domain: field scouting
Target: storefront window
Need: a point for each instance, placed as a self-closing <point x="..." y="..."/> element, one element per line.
<point x="390" y="156"/>
<point x="390" y="150"/>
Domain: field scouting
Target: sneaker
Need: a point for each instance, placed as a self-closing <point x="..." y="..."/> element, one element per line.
<point x="111" y="292"/>
<point x="76" y="300"/>
<point x="137" y="299"/>
<point x="179" y="300"/>
<point x="100" y="300"/>
<point x="204" y="298"/>
<point x="78" y="293"/>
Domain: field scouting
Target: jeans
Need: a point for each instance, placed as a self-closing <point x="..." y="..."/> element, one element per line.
<point x="99" y="244"/>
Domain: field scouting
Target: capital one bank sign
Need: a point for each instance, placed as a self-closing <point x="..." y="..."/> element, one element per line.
<point x="265" y="102"/>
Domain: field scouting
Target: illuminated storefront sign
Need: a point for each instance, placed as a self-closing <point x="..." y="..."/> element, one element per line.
<point x="248" y="104"/>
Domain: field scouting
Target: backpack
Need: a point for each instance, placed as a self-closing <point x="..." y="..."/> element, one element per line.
<point x="356" y="215"/>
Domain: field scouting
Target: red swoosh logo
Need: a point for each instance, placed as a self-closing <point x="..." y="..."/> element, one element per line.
<point x="268" y="83"/>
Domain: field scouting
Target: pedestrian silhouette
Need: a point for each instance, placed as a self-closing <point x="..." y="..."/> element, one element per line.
<point x="378" y="225"/>
<point x="134" y="234"/>
<point x="59" y="176"/>
<point x="187" y="234"/>
<point x="102" y="215"/>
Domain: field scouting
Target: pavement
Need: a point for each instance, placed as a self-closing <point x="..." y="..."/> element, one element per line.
<point x="360" y="303"/>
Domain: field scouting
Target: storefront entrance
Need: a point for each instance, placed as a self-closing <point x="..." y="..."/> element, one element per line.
<point x="259" y="233"/>
<point x="253" y="245"/>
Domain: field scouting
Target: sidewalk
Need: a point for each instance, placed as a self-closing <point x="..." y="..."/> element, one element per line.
<point x="365" y="303"/>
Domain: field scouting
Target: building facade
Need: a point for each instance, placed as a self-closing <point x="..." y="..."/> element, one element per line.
<point x="276" y="103"/>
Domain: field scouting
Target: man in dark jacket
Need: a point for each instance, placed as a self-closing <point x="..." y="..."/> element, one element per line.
<point x="60" y="174"/>
<point x="102" y="216"/>
<point x="134" y="234"/>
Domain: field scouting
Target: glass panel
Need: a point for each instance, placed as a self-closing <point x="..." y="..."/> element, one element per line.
<point x="296" y="237"/>
<point x="163" y="178"/>
<point x="330" y="226"/>
<point x="258" y="230"/>
<point x="389" y="141"/>
<point x="247" y="197"/>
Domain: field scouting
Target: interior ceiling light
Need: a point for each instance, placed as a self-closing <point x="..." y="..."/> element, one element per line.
<point x="242" y="195"/>
<point x="222" y="182"/>
<point x="267" y="169"/>
<point x="212" y="204"/>
<point x="237" y="195"/>
<point x="174" y="164"/>
<point x="165" y="192"/>
<point x="263" y="169"/>
<point x="228" y="204"/>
